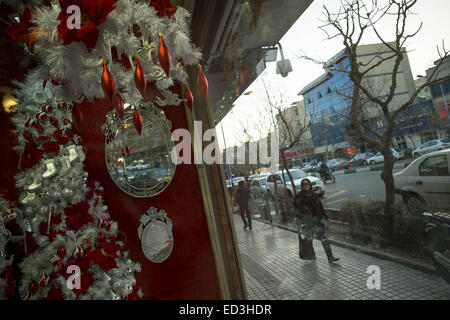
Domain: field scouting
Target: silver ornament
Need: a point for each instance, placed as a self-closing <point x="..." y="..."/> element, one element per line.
<point x="67" y="193"/>
<point x="28" y="211"/>
<point x="43" y="210"/>
<point x="55" y="195"/>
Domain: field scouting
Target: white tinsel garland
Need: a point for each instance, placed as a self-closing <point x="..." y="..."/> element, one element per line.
<point x="81" y="68"/>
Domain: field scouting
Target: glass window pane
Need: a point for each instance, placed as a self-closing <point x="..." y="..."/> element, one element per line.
<point x="434" y="166"/>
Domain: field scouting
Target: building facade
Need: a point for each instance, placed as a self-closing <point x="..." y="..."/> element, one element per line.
<point x="440" y="94"/>
<point x="296" y="119"/>
<point x="328" y="98"/>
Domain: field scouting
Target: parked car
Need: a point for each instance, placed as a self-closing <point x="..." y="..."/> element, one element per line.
<point x="379" y="158"/>
<point x="361" y="159"/>
<point x="309" y="166"/>
<point x="338" y="163"/>
<point x="426" y="180"/>
<point x="430" y="146"/>
<point x="297" y="176"/>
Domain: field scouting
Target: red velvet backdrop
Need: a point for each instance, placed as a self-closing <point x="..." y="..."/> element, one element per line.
<point x="190" y="271"/>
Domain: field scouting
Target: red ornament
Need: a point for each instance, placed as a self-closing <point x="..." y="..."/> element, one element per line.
<point x="164" y="56"/>
<point x="108" y="85"/>
<point x="139" y="77"/>
<point x="101" y="238"/>
<point x="202" y="82"/>
<point x="137" y="119"/>
<point x="118" y="104"/>
<point x="93" y="13"/>
<point x="59" y="265"/>
<point x="188" y="96"/>
<point x="127" y="149"/>
<point x="89" y="245"/>
<point x="33" y="287"/>
<point x="163" y="7"/>
<point x="43" y="280"/>
<point x="123" y="152"/>
<point x="77" y="117"/>
<point x="54" y="122"/>
<point x="61" y="252"/>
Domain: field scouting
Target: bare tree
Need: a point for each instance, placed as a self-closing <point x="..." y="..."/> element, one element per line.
<point x="354" y="18"/>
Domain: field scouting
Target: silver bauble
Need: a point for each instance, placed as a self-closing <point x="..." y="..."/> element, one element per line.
<point x="28" y="211"/>
<point x="55" y="195"/>
<point x="43" y="210"/>
<point x="67" y="193"/>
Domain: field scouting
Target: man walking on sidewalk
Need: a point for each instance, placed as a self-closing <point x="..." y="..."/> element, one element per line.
<point x="242" y="197"/>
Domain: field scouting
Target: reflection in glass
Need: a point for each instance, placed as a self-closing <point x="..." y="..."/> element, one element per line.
<point x="140" y="165"/>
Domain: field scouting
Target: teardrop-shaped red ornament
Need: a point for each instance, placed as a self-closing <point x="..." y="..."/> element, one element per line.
<point x="31" y="39"/>
<point x="164" y="56"/>
<point x="77" y="117"/>
<point x="137" y="119"/>
<point x="123" y="152"/>
<point x="127" y="149"/>
<point x="108" y="83"/>
<point x="139" y="77"/>
<point x="202" y="82"/>
<point x="61" y="252"/>
<point x="118" y="104"/>
<point x="189" y="97"/>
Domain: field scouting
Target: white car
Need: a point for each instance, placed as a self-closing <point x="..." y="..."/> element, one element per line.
<point x="297" y="176"/>
<point x="379" y="158"/>
<point x="430" y="146"/>
<point x="426" y="180"/>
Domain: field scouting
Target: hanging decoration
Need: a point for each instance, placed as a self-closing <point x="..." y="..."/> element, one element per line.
<point x="139" y="78"/>
<point x="202" y="82"/>
<point x="137" y="120"/>
<point x="188" y="96"/>
<point x="164" y="56"/>
<point x="108" y="83"/>
<point x="119" y="105"/>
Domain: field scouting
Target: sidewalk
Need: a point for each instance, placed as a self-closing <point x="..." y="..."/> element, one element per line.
<point x="273" y="271"/>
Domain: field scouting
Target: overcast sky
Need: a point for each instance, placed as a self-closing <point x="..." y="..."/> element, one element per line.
<point x="305" y="36"/>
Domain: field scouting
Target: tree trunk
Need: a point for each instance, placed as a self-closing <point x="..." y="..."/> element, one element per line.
<point x="388" y="179"/>
<point x="283" y="158"/>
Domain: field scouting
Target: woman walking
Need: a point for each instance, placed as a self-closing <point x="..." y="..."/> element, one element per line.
<point x="309" y="214"/>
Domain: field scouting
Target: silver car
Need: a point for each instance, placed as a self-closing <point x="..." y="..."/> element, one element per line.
<point x="426" y="181"/>
<point x="430" y="146"/>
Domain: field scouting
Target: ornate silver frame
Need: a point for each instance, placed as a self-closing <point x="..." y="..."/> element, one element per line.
<point x="113" y="123"/>
<point x="157" y="217"/>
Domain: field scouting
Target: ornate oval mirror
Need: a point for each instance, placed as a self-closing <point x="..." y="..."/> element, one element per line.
<point x="139" y="164"/>
<point x="155" y="232"/>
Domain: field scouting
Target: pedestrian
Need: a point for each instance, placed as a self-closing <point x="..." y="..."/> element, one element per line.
<point x="309" y="216"/>
<point x="242" y="197"/>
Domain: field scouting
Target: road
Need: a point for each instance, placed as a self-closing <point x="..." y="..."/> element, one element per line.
<point x="362" y="186"/>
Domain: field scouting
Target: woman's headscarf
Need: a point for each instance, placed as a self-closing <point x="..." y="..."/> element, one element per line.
<point x="301" y="185"/>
